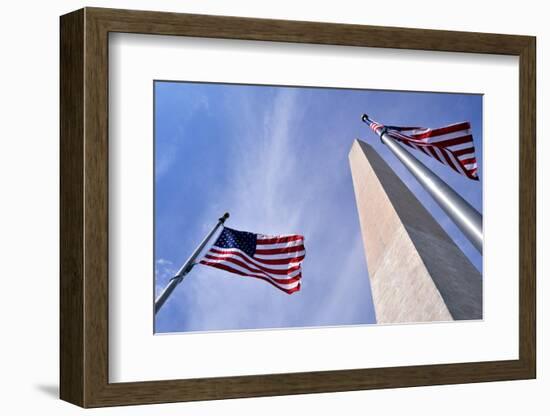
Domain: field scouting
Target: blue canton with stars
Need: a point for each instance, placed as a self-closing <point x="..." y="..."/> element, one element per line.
<point x="241" y="240"/>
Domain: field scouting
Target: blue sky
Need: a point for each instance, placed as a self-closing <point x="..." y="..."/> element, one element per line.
<point x="276" y="158"/>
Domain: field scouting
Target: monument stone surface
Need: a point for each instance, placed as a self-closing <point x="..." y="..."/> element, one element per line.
<point x="417" y="273"/>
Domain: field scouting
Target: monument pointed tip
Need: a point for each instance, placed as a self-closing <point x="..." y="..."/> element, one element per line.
<point x="357" y="144"/>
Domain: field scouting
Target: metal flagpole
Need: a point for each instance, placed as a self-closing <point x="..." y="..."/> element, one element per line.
<point x="466" y="217"/>
<point x="187" y="266"/>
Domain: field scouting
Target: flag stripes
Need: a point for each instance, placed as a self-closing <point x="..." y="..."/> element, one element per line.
<point x="451" y="145"/>
<point x="274" y="259"/>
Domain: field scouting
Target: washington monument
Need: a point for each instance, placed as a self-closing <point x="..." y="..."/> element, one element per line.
<point x="417" y="273"/>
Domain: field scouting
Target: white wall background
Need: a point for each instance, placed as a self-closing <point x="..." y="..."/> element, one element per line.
<point x="29" y="159"/>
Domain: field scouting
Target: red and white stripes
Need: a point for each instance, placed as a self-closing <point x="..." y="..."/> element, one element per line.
<point x="277" y="260"/>
<point x="452" y="145"/>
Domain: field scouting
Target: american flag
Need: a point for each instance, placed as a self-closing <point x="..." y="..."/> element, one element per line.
<point x="451" y="145"/>
<point x="275" y="259"/>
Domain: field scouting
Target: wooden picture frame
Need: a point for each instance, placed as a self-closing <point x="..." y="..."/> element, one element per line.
<point x="84" y="207"/>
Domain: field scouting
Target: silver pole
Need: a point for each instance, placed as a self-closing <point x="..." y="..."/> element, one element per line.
<point x="466" y="217"/>
<point x="187" y="266"/>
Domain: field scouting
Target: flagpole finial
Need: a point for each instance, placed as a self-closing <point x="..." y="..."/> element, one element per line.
<point x="364" y="117"/>
<point x="224" y="217"/>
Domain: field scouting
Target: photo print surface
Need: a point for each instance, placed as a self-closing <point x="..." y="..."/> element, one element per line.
<point x="326" y="225"/>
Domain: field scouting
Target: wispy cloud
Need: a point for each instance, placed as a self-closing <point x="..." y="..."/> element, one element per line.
<point x="164" y="271"/>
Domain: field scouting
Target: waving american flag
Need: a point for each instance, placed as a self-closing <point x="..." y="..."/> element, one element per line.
<point x="451" y="145"/>
<point x="274" y="259"/>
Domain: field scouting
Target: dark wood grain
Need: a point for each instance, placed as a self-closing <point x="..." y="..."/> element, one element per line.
<point x="96" y="224"/>
<point x="527" y="208"/>
<point x="162" y="23"/>
<point x="71" y="100"/>
<point x="84" y="207"/>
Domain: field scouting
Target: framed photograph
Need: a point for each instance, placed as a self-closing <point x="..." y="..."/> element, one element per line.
<point x="254" y="207"/>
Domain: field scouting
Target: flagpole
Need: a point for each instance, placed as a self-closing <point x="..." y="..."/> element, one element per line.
<point x="466" y="217"/>
<point x="187" y="266"/>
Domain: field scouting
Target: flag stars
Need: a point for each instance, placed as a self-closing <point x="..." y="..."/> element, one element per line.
<point x="241" y="240"/>
<point x="285" y="275"/>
